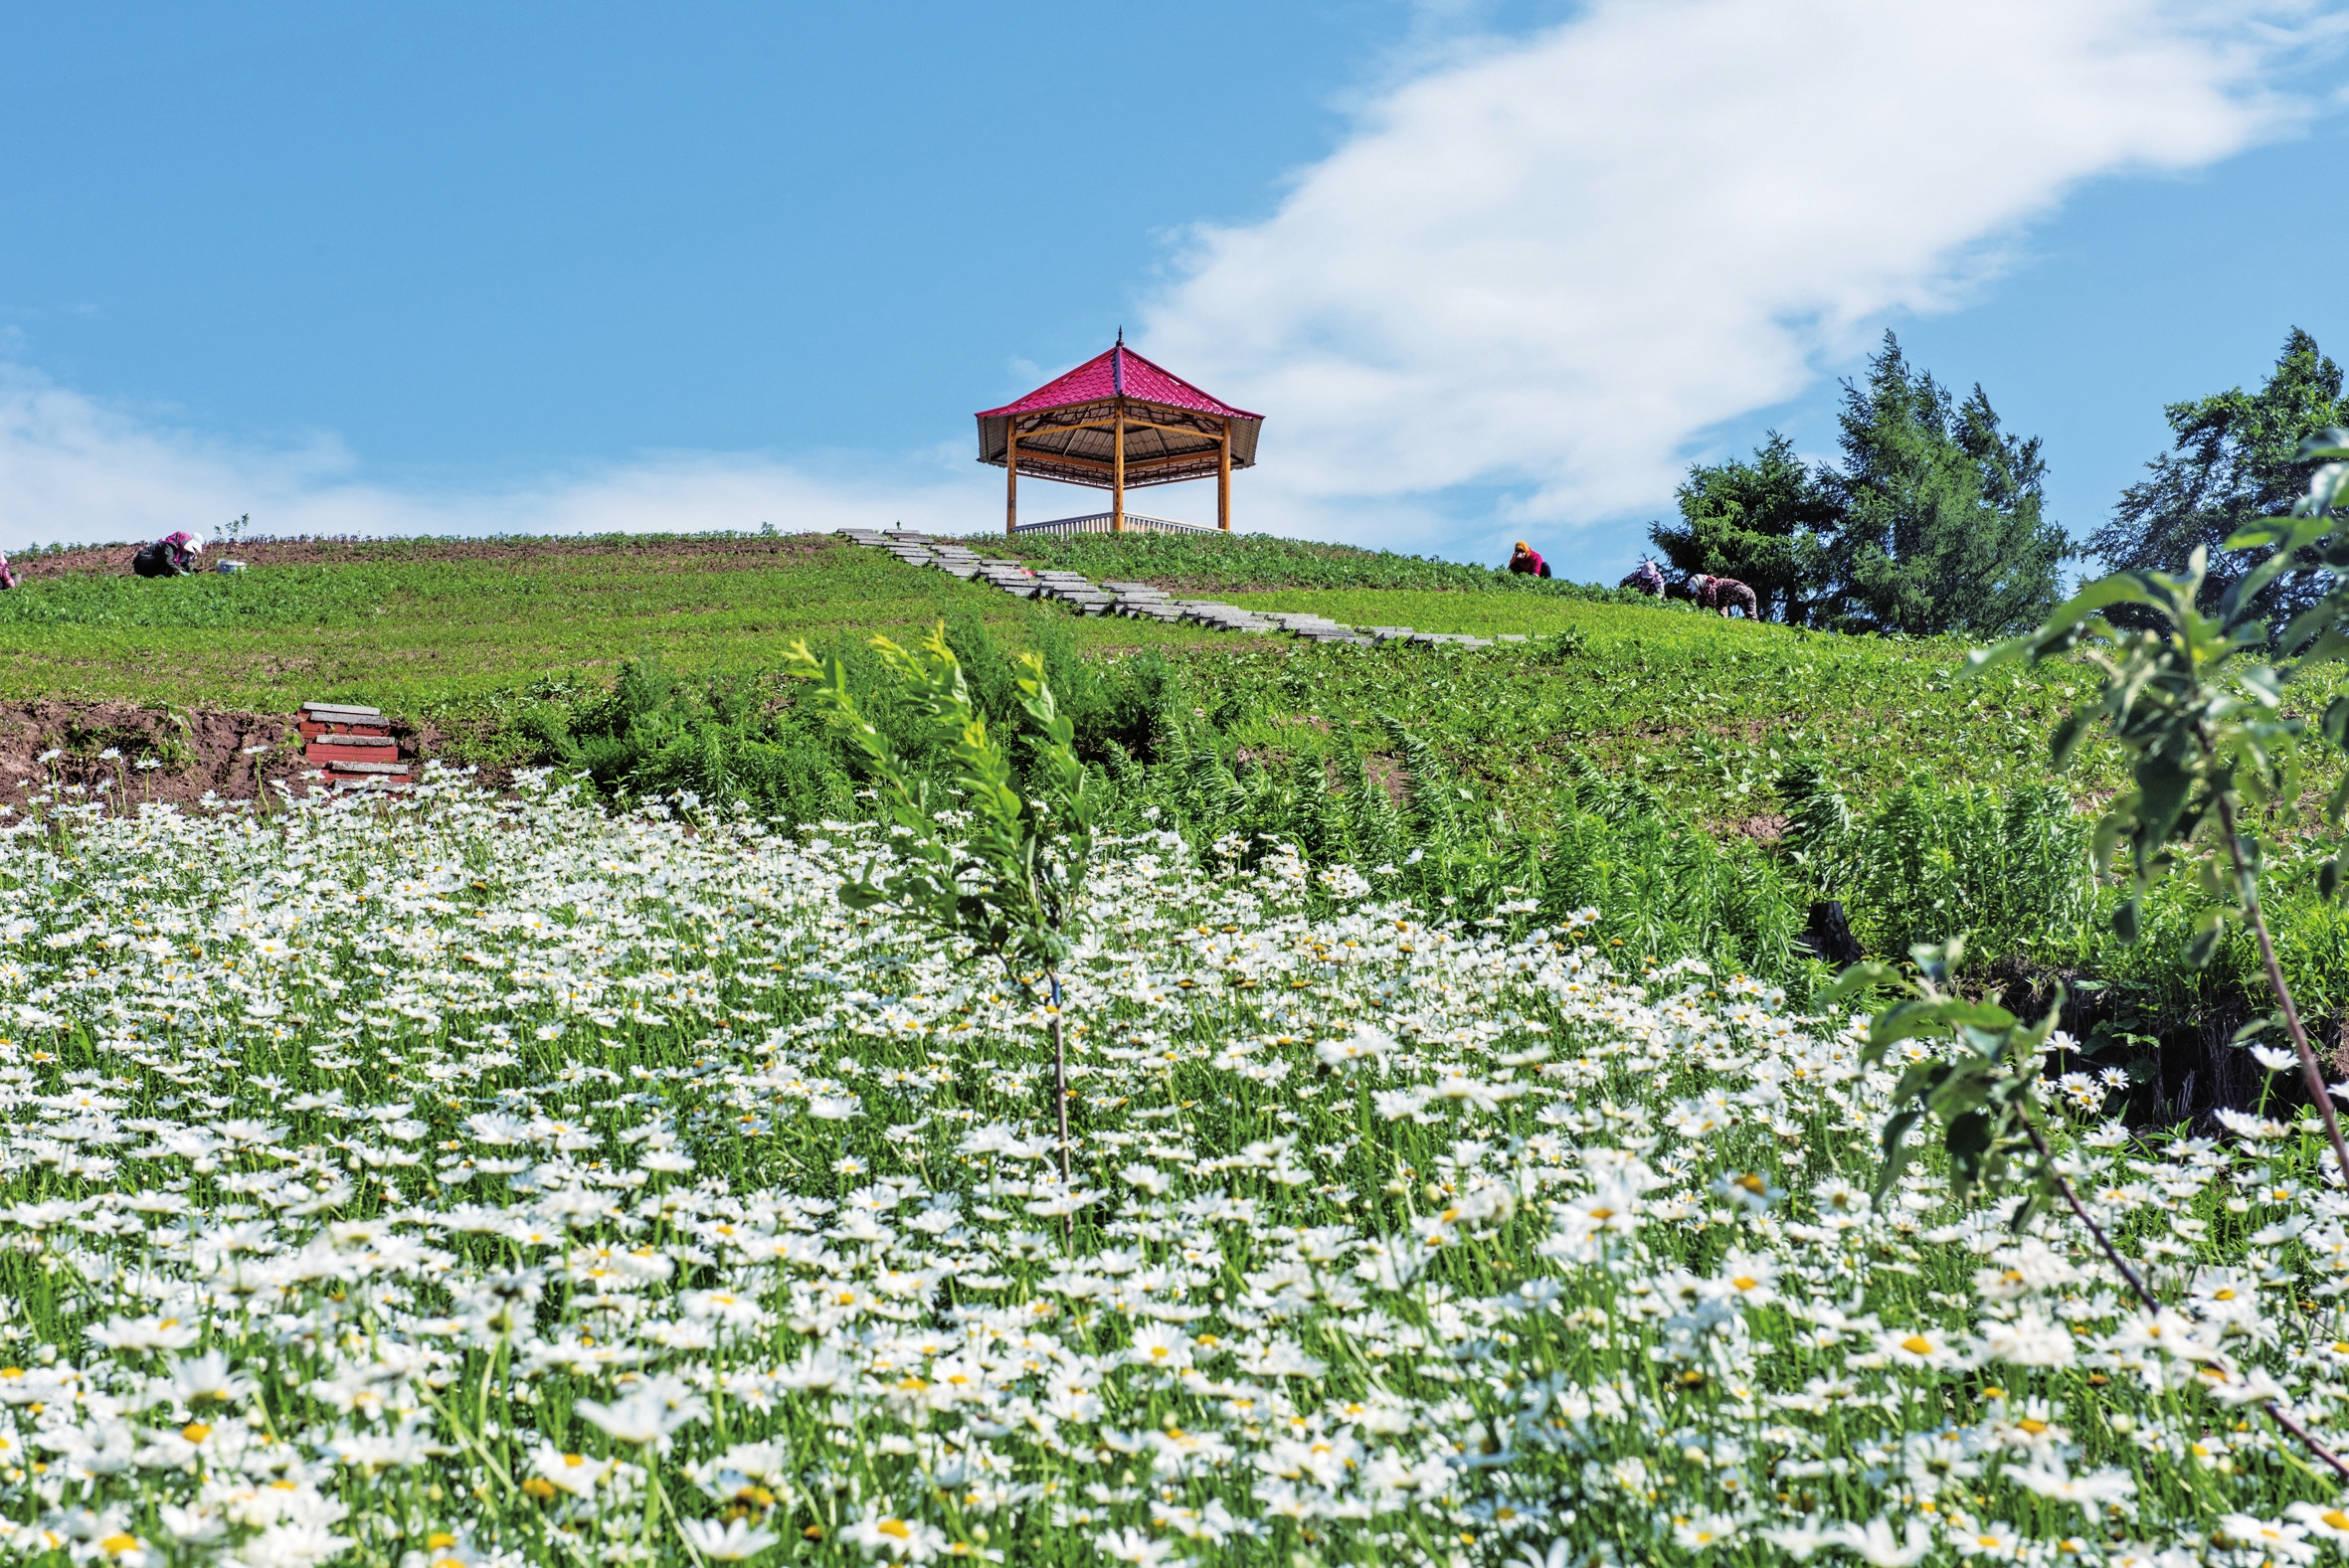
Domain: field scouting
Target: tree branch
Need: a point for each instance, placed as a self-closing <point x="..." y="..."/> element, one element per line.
<point x="2310" y="1072"/>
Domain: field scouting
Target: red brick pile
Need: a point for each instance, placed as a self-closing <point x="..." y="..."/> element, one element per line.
<point x="354" y="746"/>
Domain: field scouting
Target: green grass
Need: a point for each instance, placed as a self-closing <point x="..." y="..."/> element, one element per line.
<point x="1700" y="711"/>
<point x="1210" y="563"/>
<point x="1703" y="712"/>
<point x="394" y="628"/>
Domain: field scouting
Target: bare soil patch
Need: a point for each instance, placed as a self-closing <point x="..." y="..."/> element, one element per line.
<point x="231" y="754"/>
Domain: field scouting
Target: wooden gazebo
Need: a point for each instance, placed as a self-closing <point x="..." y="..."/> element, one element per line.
<point x="1118" y="422"/>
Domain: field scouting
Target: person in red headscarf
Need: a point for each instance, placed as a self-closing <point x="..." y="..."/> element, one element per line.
<point x="1528" y="561"/>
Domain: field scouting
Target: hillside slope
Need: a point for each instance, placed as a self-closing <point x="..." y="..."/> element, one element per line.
<point x="1700" y="709"/>
<point x="1701" y="782"/>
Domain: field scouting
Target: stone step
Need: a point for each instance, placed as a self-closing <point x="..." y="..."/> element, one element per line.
<point x="338" y="766"/>
<point x="347" y="711"/>
<point x="352" y="748"/>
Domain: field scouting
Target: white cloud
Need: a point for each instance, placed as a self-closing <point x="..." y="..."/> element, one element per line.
<point x="1549" y="265"/>
<point x="1540" y="270"/>
<point x="74" y="468"/>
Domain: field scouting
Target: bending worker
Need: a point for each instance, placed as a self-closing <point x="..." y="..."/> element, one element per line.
<point x="1722" y="594"/>
<point x="1525" y="559"/>
<point x="173" y="555"/>
<point x="1648" y="579"/>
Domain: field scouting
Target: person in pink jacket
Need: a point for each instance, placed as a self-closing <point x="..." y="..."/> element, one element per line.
<point x="173" y="555"/>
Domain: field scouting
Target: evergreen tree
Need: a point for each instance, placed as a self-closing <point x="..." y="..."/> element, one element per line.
<point x="1939" y="526"/>
<point x="1765" y="522"/>
<point x="2231" y="461"/>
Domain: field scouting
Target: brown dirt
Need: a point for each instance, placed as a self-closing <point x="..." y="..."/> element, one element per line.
<point x="201" y="749"/>
<point x="698" y="553"/>
<point x="1764" y="829"/>
<point x="1390" y="774"/>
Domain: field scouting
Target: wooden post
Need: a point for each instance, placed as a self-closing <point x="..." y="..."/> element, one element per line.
<point x="1011" y="476"/>
<point x="1223" y="479"/>
<point x="1116" y="507"/>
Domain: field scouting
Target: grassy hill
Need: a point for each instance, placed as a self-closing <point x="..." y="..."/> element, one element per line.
<point x="416" y="626"/>
<point x="1701" y="782"/>
<point x="456" y="632"/>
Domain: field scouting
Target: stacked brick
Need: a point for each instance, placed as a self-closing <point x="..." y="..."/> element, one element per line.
<point x="353" y="747"/>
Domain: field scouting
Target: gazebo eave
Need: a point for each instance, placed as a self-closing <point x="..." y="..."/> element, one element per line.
<point x="1118" y="422"/>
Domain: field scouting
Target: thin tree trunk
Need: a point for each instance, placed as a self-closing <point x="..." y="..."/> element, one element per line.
<point x="2046" y="1160"/>
<point x="2311" y="1071"/>
<point x="2283" y="1417"/>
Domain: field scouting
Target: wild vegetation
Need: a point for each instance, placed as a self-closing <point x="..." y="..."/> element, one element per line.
<point x="1045" y="1090"/>
<point x="459" y="1179"/>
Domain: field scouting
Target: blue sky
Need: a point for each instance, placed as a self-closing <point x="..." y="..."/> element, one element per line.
<point x="1492" y="271"/>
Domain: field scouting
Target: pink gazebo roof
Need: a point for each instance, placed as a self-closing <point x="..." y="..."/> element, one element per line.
<point x="1120" y="373"/>
<point x="1065" y="427"/>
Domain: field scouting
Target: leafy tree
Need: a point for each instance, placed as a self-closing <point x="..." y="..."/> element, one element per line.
<point x="2234" y="460"/>
<point x="1941" y="525"/>
<point x="1765" y="522"/>
<point x="1933" y="522"/>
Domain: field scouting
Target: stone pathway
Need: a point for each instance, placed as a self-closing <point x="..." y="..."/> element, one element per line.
<point x="1136" y="600"/>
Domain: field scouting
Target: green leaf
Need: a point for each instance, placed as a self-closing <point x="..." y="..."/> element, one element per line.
<point x="1907" y="1020"/>
<point x="2122" y="588"/>
<point x="1968" y="1138"/>
<point x="1860" y="978"/>
<point x="1936" y="960"/>
<point x="2324" y="490"/>
<point x="2290" y="540"/>
<point x="2125" y="917"/>
<point x="1896" y="1147"/>
<point x="2066" y="739"/>
<point x="2205" y="944"/>
<point x="2163" y="789"/>
<point x="2027" y="1210"/>
<point x="2331" y="441"/>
